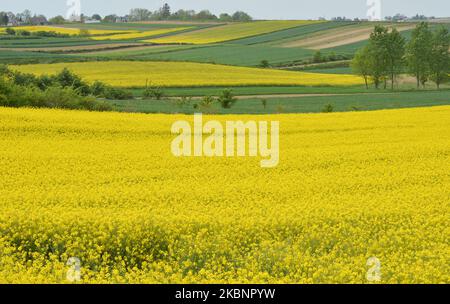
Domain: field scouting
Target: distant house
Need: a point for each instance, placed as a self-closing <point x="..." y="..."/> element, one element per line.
<point x="122" y="19"/>
<point x="38" y="20"/>
<point x="12" y="20"/>
<point x="92" y="21"/>
<point x="13" y="23"/>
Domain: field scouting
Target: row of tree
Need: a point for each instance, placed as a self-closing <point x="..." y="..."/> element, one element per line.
<point x="136" y="14"/>
<point x="26" y="17"/>
<point x="165" y="13"/>
<point x="388" y="54"/>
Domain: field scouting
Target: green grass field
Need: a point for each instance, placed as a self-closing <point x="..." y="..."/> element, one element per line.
<point x="260" y="90"/>
<point x="306" y="104"/>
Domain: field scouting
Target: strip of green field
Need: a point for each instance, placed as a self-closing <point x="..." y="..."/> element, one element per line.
<point x="18" y="57"/>
<point x="48" y="42"/>
<point x="137" y="53"/>
<point x="286" y="90"/>
<point x="260" y="90"/>
<point x="307" y="104"/>
<point x="229" y="54"/>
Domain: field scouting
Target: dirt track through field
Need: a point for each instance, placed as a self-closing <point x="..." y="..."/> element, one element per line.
<point x="338" y="37"/>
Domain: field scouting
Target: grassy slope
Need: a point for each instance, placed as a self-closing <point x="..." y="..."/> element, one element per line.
<point x="307" y="104"/>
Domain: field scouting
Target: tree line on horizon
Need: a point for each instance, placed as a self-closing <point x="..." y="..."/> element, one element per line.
<point x="135" y="15"/>
<point x="388" y="54"/>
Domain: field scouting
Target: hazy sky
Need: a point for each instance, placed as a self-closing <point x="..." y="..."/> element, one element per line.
<point x="260" y="9"/>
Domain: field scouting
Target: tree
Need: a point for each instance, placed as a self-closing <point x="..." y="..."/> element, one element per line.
<point x="110" y="18"/>
<point x="264" y="64"/>
<point x="205" y="15"/>
<point x="165" y="11"/>
<point x="328" y="108"/>
<point x="140" y="14"/>
<point x="418" y="53"/>
<point x="26" y="16"/>
<point x="395" y="51"/>
<point x="440" y="59"/>
<point x="57" y="20"/>
<point x="317" y="58"/>
<point x="183" y="15"/>
<point x="227" y="99"/>
<point x="378" y="54"/>
<point x="241" y="17"/>
<point x="4" y="19"/>
<point x="361" y="64"/>
<point x="225" y="17"/>
<point x="96" y="17"/>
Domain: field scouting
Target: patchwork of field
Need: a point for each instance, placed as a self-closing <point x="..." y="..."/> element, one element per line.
<point x="281" y="37"/>
<point x="138" y="35"/>
<point x="230" y="54"/>
<point x="105" y="188"/>
<point x="339" y="36"/>
<point x="186" y="74"/>
<point x="231" y="32"/>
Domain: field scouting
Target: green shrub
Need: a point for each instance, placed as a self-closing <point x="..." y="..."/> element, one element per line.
<point x="264" y="103"/>
<point x="227" y="99"/>
<point x="14" y="95"/>
<point x="152" y="91"/>
<point x="328" y="108"/>
<point x="23" y="79"/>
<point x="10" y="31"/>
<point x="43" y="82"/>
<point x="264" y="64"/>
<point x="98" y="89"/>
<point x="115" y="93"/>
<point x="207" y="101"/>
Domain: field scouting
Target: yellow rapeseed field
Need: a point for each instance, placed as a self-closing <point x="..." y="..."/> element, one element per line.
<point x="137" y="35"/>
<point x="104" y="188"/>
<point x="65" y="30"/>
<point x="231" y="32"/>
<point x="186" y="74"/>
